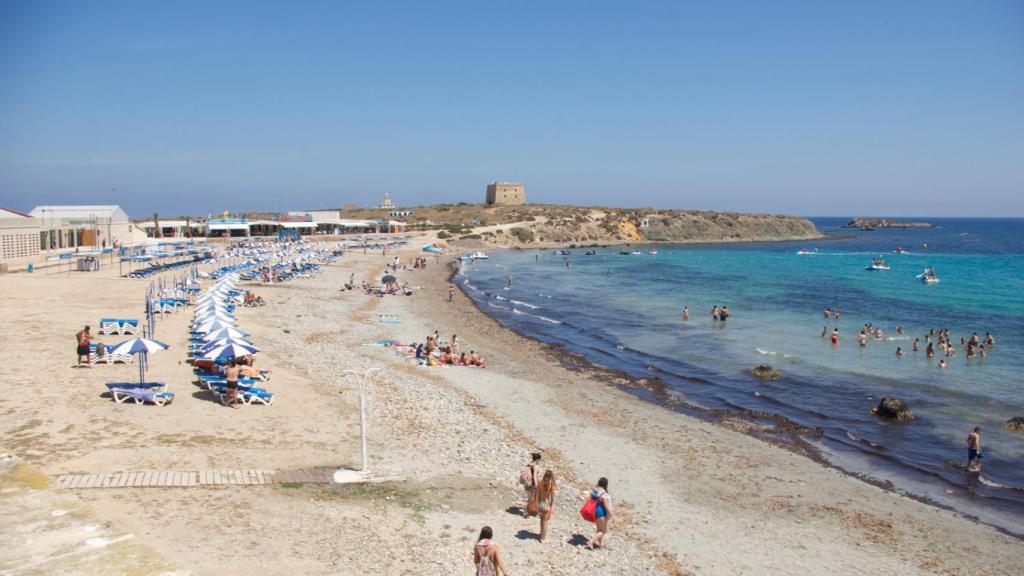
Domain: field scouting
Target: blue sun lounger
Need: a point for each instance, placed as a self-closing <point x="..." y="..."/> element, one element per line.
<point x="142" y="395"/>
<point x="246" y="394"/>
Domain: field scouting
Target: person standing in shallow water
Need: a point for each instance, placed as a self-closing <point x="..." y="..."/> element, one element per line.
<point x="686" y="314"/>
<point x="974" y="450"/>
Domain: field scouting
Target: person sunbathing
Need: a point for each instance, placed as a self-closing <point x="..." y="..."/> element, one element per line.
<point x="475" y="360"/>
<point x="462" y="360"/>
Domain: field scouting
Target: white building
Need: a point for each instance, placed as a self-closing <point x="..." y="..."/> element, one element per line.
<point x="173" y="228"/>
<point x="85" y="226"/>
<point x="19" y="236"/>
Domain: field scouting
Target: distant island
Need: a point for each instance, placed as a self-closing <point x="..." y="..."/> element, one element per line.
<point x="872" y="223"/>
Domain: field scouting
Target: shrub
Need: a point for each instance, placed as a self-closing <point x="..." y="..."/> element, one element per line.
<point x="443" y="235"/>
<point x="523" y="234"/>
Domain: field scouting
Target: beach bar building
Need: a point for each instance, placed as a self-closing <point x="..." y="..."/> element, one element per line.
<point x="63" y="227"/>
<point x="19" y="237"/>
<point x="173" y="228"/>
<point x="230" y="227"/>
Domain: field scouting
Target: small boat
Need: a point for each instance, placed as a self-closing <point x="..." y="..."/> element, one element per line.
<point x="653" y="252"/>
<point x="928" y="276"/>
<point x="636" y="253"/>
<point x="561" y="252"/>
<point x="624" y="252"/>
<point x="877" y="264"/>
<point x="474" y="256"/>
<point x="899" y="250"/>
<point x="804" y="252"/>
<point x="590" y="252"/>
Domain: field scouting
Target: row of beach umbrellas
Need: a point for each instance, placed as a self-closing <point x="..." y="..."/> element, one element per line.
<point x="214" y="323"/>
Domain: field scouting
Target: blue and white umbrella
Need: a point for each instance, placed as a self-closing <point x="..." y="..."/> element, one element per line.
<point x="226" y="341"/>
<point x="141" y="346"/>
<point x="229" y="332"/>
<point x="229" y="351"/>
<point x="137" y="346"/>
<point x="212" y="325"/>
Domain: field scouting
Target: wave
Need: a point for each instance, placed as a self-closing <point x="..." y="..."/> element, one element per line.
<point x="499" y="307"/>
<point x="500" y="297"/>
<point x="470" y="285"/>
<point x="537" y="316"/>
<point x="764" y="352"/>
<point x="527" y="304"/>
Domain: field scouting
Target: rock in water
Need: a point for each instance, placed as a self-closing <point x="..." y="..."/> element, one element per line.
<point x="1015" y="424"/>
<point x="766" y="371"/>
<point x="894" y="408"/>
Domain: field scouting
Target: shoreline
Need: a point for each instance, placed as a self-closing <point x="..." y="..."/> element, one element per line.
<point x="783" y="432"/>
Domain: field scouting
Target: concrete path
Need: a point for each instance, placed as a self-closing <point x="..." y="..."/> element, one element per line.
<point x="187" y="479"/>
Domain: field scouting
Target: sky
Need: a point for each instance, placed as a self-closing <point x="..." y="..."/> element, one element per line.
<point x="810" y="108"/>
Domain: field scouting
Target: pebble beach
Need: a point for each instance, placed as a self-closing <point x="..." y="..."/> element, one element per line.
<point x="447" y="443"/>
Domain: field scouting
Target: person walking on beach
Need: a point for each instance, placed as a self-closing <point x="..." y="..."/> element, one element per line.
<point x="546" y="501"/>
<point x="974" y="450"/>
<point x="451" y="292"/>
<point x="82" y="340"/>
<point x="528" y="477"/>
<point x="487" y="556"/>
<point x="603" y="513"/>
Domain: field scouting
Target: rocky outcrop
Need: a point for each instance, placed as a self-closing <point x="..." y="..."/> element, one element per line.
<point x="767" y="372"/>
<point x="1015" y="424"/>
<point x="892" y="408"/>
<point x="885" y="223"/>
<point x="584" y="226"/>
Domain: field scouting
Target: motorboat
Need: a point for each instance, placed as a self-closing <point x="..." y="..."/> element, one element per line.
<point x="899" y="250"/>
<point x="805" y="252"/>
<point x="561" y="252"/>
<point x="474" y="256"/>
<point x="877" y="264"/>
<point x="928" y="276"/>
<point x="636" y="253"/>
<point x="653" y="252"/>
<point x="590" y="252"/>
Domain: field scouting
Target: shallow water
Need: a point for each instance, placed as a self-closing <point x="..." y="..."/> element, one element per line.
<point x="624" y="312"/>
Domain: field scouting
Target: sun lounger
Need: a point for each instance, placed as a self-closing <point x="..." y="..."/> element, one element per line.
<point x="246" y="395"/>
<point x="142" y="396"/>
<point x="129" y="327"/>
<point x="213" y="381"/>
<point x="136" y="385"/>
<point x="110" y="326"/>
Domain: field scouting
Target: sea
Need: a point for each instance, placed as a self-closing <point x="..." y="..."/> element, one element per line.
<point x="624" y="312"/>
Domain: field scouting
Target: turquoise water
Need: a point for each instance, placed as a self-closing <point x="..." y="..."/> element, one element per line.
<point x="624" y="312"/>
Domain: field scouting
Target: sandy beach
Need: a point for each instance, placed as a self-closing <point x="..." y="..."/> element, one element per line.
<point x="691" y="496"/>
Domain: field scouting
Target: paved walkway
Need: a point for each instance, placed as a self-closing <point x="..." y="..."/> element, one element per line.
<point x="153" y="479"/>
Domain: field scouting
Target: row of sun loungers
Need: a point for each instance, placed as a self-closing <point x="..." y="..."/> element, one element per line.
<point x="118" y="326"/>
<point x="158" y="268"/>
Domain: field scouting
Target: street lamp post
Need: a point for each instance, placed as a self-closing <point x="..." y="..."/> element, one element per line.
<point x="348" y="475"/>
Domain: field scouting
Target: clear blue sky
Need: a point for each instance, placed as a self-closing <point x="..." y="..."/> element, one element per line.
<point x="815" y="108"/>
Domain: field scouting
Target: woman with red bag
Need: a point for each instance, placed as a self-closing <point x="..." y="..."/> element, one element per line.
<point x="602" y="512"/>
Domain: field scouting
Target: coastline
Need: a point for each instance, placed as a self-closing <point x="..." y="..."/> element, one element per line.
<point x="692" y="496"/>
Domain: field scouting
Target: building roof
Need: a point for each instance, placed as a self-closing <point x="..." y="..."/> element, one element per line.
<point x="112" y="211"/>
<point x="8" y="213"/>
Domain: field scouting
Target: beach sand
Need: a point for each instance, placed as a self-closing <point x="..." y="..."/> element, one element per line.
<point x="690" y="496"/>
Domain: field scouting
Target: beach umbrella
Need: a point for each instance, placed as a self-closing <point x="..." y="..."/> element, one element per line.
<point x="229" y="332"/>
<point x="215" y="324"/>
<point x="141" y="346"/>
<point x="229" y="351"/>
<point x="226" y="341"/>
<point x="388" y="279"/>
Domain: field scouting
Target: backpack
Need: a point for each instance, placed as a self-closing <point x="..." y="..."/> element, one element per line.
<point x="589" y="509"/>
<point x="526" y="476"/>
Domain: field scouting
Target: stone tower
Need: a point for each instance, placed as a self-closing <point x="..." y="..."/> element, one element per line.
<point x="505" y="193"/>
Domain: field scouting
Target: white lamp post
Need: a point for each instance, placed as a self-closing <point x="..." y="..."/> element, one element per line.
<point x="349" y="475"/>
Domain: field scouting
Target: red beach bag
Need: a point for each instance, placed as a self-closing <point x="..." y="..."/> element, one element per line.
<point x="589" y="510"/>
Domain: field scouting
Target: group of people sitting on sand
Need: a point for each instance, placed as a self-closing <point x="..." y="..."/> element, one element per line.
<point x="437" y="352"/>
<point x="251" y="299"/>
